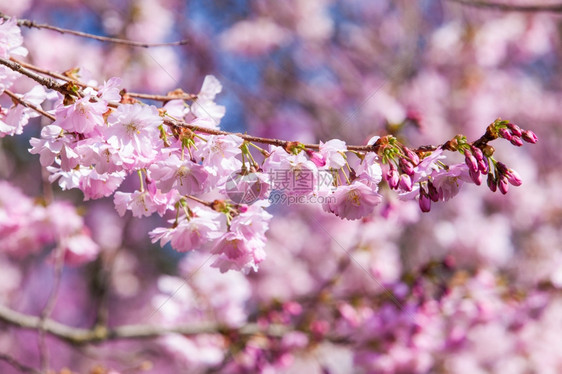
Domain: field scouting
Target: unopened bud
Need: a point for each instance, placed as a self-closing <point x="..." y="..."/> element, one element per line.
<point x="432" y="191"/>
<point x="515" y="130"/>
<point x="513" y="177"/>
<point x="475" y="176"/>
<point x="516" y="141"/>
<point x="529" y="137"/>
<point x="406" y="166"/>
<point x="405" y="182"/>
<point x="492" y="183"/>
<point x="503" y="186"/>
<point x="411" y="155"/>
<point x="392" y="178"/>
<point x="504" y="133"/>
<point x="425" y="201"/>
<point x="470" y="161"/>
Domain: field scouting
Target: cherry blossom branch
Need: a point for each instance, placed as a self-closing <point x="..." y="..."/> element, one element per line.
<point x="287" y="144"/>
<point x="44" y="81"/>
<point x="32" y="24"/>
<point x="511" y="7"/>
<point x="98" y="334"/>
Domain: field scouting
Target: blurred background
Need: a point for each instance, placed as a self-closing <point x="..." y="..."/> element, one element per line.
<point x="471" y="287"/>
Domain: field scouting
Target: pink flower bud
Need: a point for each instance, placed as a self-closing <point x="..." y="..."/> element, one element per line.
<point x="503" y="186"/>
<point x="425" y="201"/>
<point x="411" y="155"/>
<point x="475" y="176"/>
<point x="470" y="161"/>
<point x="392" y="178"/>
<point x="406" y="166"/>
<point x="433" y="193"/>
<point x="405" y="182"/>
<point x="529" y="137"/>
<point x="513" y="177"/>
<point x="477" y="152"/>
<point x="516" y="141"/>
<point x="515" y="130"/>
<point x="317" y="158"/>
<point x="492" y="183"/>
<point x="504" y="133"/>
<point x="483" y="166"/>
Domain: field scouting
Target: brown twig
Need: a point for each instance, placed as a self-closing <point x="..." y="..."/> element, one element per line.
<point x="31" y="24"/>
<point x="186" y="96"/>
<point x="21" y="101"/>
<point x="555" y="8"/>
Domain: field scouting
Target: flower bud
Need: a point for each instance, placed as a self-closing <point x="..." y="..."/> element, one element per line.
<point x="432" y="191"/>
<point x="492" y="183"/>
<point x="504" y="133"/>
<point x="406" y="166"/>
<point x="516" y="141"/>
<point x="405" y="182"/>
<point x="475" y="176"/>
<point x="470" y="161"/>
<point x="503" y="186"/>
<point x="529" y="137"/>
<point x="477" y="152"/>
<point x="513" y="177"/>
<point x="515" y="130"/>
<point x="483" y="166"/>
<point x="411" y="155"/>
<point x="425" y="201"/>
<point x="392" y="177"/>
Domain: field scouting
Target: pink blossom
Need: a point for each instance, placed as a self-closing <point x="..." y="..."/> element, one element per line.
<point x="79" y="249"/>
<point x="204" y="106"/>
<point x="11" y="39"/>
<point x="133" y="129"/>
<point x="18" y="116"/>
<point x="204" y="227"/>
<point x="333" y="152"/>
<point x="139" y="203"/>
<point x="83" y="116"/>
<point x="353" y="201"/>
<point x="184" y="175"/>
<point x="236" y="252"/>
<point x="449" y="182"/>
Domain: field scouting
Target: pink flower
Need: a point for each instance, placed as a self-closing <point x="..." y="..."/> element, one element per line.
<point x="79" y="249"/>
<point x="333" y="152"/>
<point x="254" y="222"/>
<point x="83" y="116"/>
<point x="184" y="175"/>
<point x="449" y="182"/>
<point x="11" y="39"/>
<point x="204" y="227"/>
<point x="134" y="130"/>
<point x="204" y="106"/>
<point x="353" y="201"/>
<point x="139" y="203"/>
<point x="18" y="116"/>
<point x="236" y="252"/>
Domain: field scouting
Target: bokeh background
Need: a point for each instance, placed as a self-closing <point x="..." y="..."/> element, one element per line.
<point x="471" y="287"/>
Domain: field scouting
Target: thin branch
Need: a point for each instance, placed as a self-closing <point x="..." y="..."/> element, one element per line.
<point x="21" y="101"/>
<point x="555" y="8"/>
<point x="44" y="81"/>
<point x="80" y="336"/>
<point x="49" y="73"/>
<point x="31" y="24"/>
<point x="18" y="365"/>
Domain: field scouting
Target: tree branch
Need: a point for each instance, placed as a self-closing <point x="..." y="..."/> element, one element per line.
<point x="556" y="8"/>
<point x="29" y="105"/>
<point x="32" y="24"/>
<point x="80" y="336"/>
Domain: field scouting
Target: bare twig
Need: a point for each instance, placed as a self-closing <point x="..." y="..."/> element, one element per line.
<point x="29" y="105"/>
<point x="168" y="97"/>
<point x="44" y="81"/>
<point x="106" y="39"/>
<point x="555" y="8"/>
